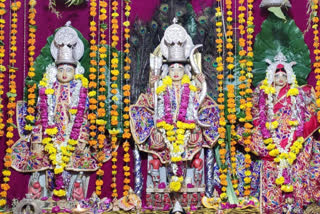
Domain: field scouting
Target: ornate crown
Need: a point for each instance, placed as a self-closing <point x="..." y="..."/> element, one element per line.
<point x="176" y="44"/>
<point x="66" y="46"/>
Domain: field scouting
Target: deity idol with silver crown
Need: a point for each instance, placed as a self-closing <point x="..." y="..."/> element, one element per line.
<point x="58" y="142"/>
<point x="176" y="118"/>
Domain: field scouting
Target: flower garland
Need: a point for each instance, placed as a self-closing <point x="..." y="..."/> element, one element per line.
<point x="231" y="103"/>
<point x="15" y="6"/>
<point x="2" y="67"/>
<point x="221" y="100"/>
<point x="31" y="87"/>
<point x="92" y="76"/>
<point x="245" y="86"/>
<point x="126" y="93"/>
<point x="60" y="154"/>
<point x="283" y="156"/>
<point x="114" y="91"/>
<point x="248" y="94"/>
<point x="101" y="122"/>
<point x="176" y="134"/>
<point x="316" y="64"/>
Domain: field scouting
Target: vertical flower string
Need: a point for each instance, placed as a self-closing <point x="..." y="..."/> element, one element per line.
<point x="2" y="67"/>
<point x="316" y="64"/>
<point x="248" y="96"/>
<point x="114" y="91"/>
<point x="222" y="121"/>
<point x="12" y="93"/>
<point x="31" y="85"/>
<point x="101" y="121"/>
<point x="231" y="103"/>
<point x="126" y="94"/>
<point x="242" y="78"/>
<point x="92" y="116"/>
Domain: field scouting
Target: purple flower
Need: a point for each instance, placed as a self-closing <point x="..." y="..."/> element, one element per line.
<point x="56" y="209"/>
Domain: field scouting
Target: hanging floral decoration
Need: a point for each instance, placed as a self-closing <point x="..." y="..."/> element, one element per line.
<point x="283" y="156"/>
<point x="60" y="154"/>
<point x="31" y="85"/>
<point x="316" y="64"/>
<point x="2" y="67"/>
<point x="176" y="133"/>
<point x="11" y="94"/>
<point x="115" y="96"/>
<point x="221" y="100"/>
<point x="92" y="76"/>
<point x="102" y="94"/>
<point x="231" y="103"/>
<point x="126" y="94"/>
<point x="245" y="86"/>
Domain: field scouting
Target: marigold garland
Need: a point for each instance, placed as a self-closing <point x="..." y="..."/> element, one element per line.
<point x="15" y="6"/>
<point x="92" y="76"/>
<point x="2" y="67"/>
<point x="231" y="103"/>
<point x="102" y="94"/>
<point x="221" y="99"/>
<point x="316" y="64"/>
<point x="31" y="96"/>
<point x="248" y="96"/>
<point x="115" y="91"/>
<point x="126" y="94"/>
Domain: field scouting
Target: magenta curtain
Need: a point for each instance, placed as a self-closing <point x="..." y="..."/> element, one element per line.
<point x="79" y="16"/>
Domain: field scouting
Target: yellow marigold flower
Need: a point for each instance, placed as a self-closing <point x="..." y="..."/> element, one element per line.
<point x="28" y="127"/>
<point x="271" y="146"/>
<point x="46" y="140"/>
<point x="51" y="131"/>
<point x="58" y="170"/>
<point x="247" y="180"/>
<point x="268" y="140"/>
<point x="280" y="180"/>
<point x="247" y="173"/>
<point x="175" y="186"/>
<point x="223" y="196"/>
<point x="274" y="152"/>
<point x="185" y="79"/>
<point x="292" y="92"/>
<point x="126" y="23"/>
<point x="30" y="117"/>
<point x="73" y="111"/>
<point x="49" y="91"/>
<point x="114" y="131"/>
<point x="6" y="173"/>
<point x="101" y="122"/>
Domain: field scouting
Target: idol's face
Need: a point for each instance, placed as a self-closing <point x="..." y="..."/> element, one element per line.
<point x="176" y="71"/>
<point x="280" y="78"/>
<point x="65" y="73"/>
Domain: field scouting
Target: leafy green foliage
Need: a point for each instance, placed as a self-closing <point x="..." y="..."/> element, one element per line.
<point x="277" y="35"/>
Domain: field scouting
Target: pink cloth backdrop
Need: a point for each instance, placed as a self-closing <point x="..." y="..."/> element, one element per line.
<point x="79" y="16"/>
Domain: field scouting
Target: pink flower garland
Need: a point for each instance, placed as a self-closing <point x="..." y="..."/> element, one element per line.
<point x="74" y="135"/>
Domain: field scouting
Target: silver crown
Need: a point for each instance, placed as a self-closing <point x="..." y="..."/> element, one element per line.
<point x="280" y="58"/>
<point x="66" y="46"/>
<point x="176" y="44"/>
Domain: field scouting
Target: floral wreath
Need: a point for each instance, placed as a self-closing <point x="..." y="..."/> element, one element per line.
<point x="176" y="133"/>
<point x="60" y="154"/>
<point x="283" y="156"/>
